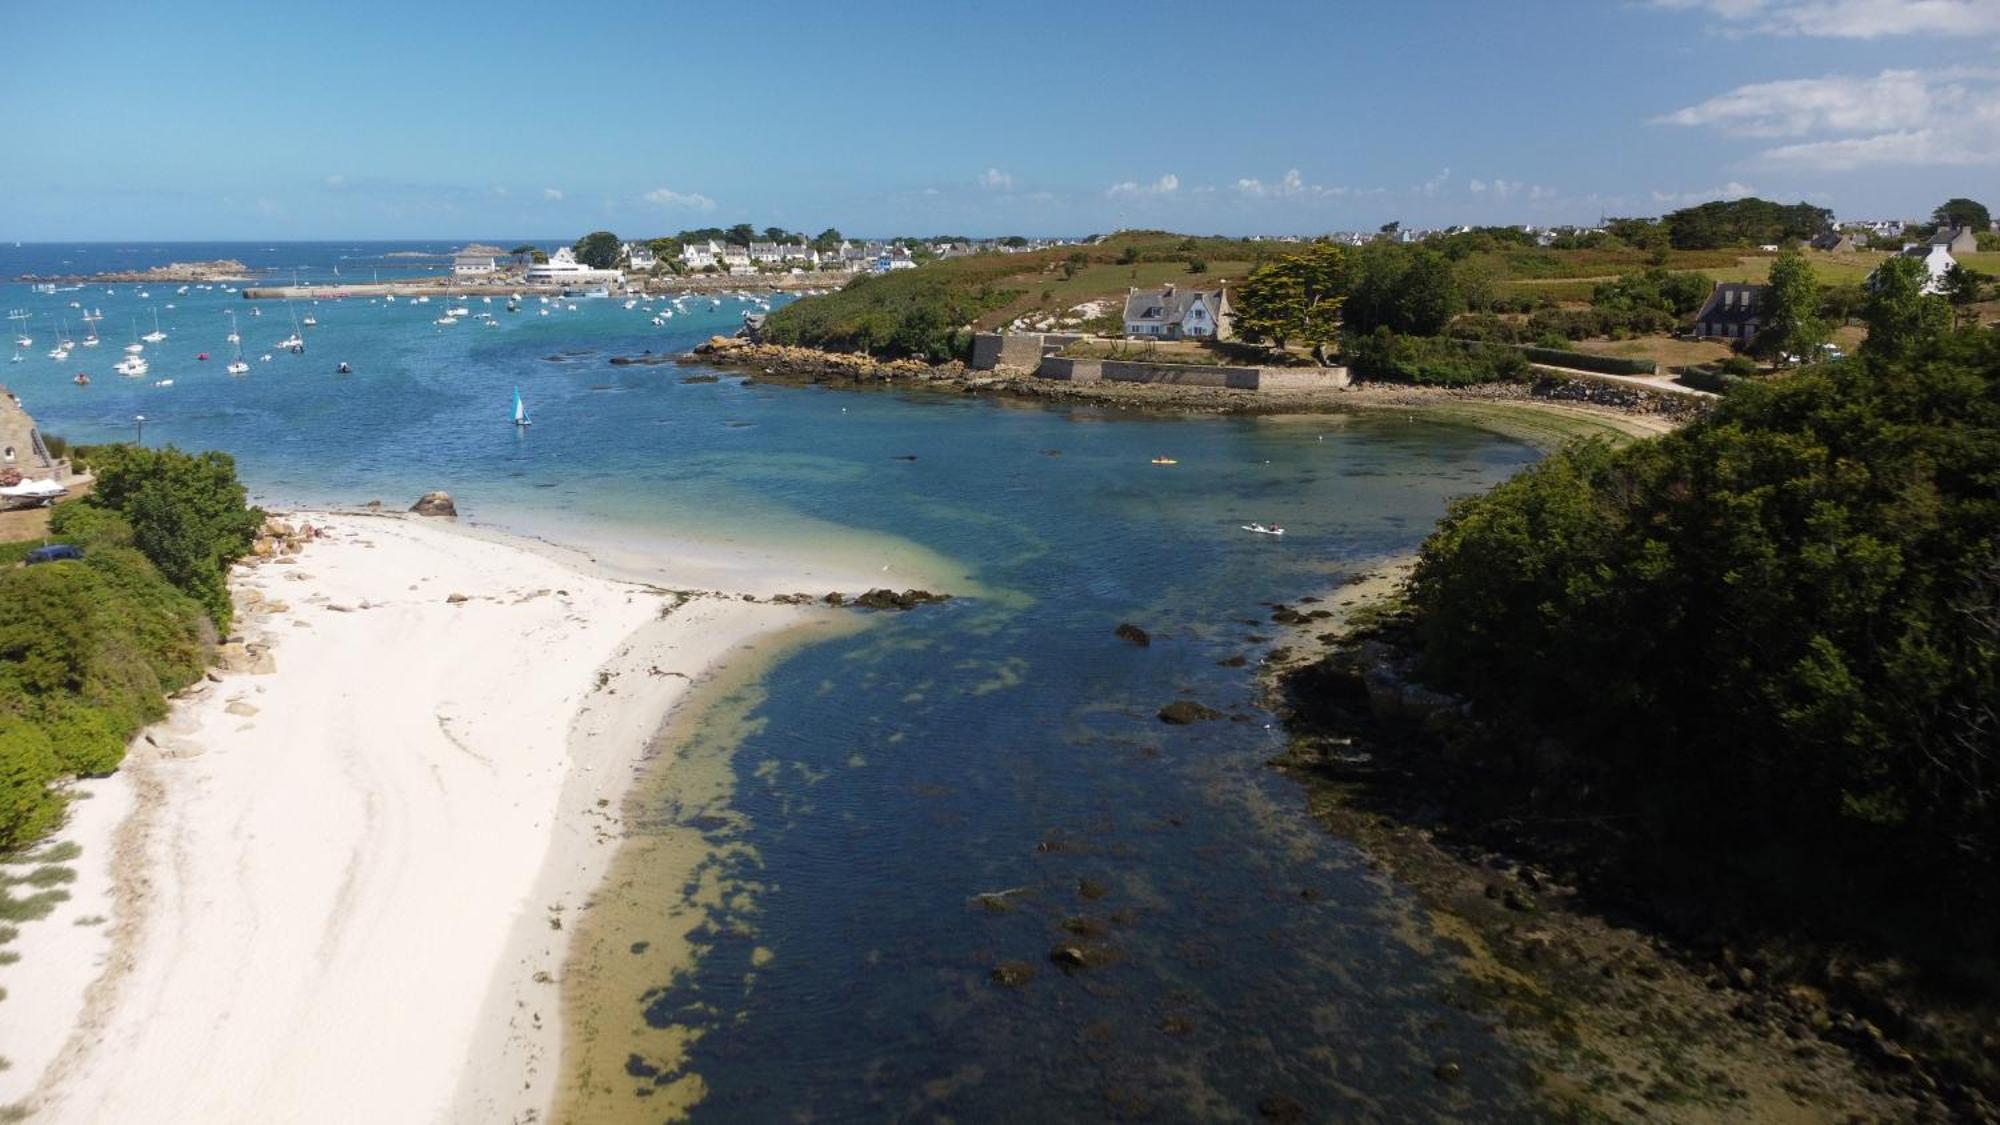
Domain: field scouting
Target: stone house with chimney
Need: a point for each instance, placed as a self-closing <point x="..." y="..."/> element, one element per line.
<point x="21" y="447"/>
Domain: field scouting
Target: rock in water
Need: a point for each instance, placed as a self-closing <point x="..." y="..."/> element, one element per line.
<point x="1181" y="712"/>
<point x="890" y="599"/>
<point x="435" y="504"/>
<point x="1131" y="632"/>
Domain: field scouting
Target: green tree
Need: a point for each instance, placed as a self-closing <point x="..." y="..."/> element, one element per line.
<point x="742" y="234"/>
<point x="1962" y="290"/>
<point x="1962" y="212"/>
<point x="1294" y="298"/>
<point x="599" y="250"/>
<point x="1902" y="319"/>
<point x="1429" y="295"/>
<point x="829" y="239"/>
<point x="522" y="252"/>
<point x="186" y="513"/>
<point x="1794" y="327"/>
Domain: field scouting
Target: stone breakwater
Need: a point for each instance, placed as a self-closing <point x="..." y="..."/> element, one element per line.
<point x="781" y="363"/>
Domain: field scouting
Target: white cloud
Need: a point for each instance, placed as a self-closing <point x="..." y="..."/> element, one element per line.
<point x="1841" y="122"/>
<point x="1292" y="185"/>
<point x="553" y="195"/>
<point x="1510" y="189"/>
<point x="336" y="181"/>
<point x="1849" y="19"/>
<point x="1165" y="185"/>
<point x="693" y="201"/>
<point x="1730" y="190"/>
<point x="996" y="179"/>
<point x="1429" y="188"/>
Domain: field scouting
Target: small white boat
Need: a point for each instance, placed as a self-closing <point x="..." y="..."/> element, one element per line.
<point x="446" y="319"/>
<point x="1260" y="529"/>
<point x="520" y="411"/>
<point x="164" y="383"/>
<point x="155" y="336"/>
<point x="309" y="321"/>
<point x="238" y="367"/>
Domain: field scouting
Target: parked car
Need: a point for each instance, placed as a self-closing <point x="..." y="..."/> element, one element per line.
<point x="54" y="552"/>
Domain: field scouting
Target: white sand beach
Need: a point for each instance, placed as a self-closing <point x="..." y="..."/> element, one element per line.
<point x="334" y="880"/>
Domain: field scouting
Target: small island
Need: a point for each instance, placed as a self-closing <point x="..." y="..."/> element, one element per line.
<point x="222" y="269"/>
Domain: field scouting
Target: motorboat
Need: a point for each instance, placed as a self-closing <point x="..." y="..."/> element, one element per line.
<point x="1260" y="529"/>
<point x="1165" y="461"/>
<point x="342" y="369"/>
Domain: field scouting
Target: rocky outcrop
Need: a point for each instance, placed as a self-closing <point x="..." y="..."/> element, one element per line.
<point x="1182" y="712"/>
<point x="435" y="504"/>
<point x="890" y="599"/>
<point x="643" y="359"/>
<point x="1134" y="634"/>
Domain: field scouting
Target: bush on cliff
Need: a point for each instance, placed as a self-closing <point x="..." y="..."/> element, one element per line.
<point x="1768" y="643"/>
<point x="90" y="649"/>
<point x="186" y="513"/>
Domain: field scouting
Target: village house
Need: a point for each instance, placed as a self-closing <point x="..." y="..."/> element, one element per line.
<point x="735" y="259"/>
<point x="1735" y="311"/>
<point x="698" y="256"/>
<point x="1172" y="313"/>
<point x="639" y="256"/>
<point x="1833" y="242"/>
<point x="1937" y="260"/>
<point x="1958" y="240"/>
<point x="475" y="260"/>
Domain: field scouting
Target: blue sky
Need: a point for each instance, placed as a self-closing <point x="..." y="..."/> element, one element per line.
<point x="367" y="119"/>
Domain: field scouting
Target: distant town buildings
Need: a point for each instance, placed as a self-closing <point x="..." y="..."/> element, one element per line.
<point x="1937" y="260"/>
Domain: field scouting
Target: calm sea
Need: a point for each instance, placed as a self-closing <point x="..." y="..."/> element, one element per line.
<point x="1005" y="741"/>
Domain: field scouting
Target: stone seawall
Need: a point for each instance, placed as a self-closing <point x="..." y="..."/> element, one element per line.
<point x="1193" y="375"/>
<point x="1021" y="350"/>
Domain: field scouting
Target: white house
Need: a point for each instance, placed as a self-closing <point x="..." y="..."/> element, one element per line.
<point x="735" y="259"/>
<point x="562" y="268"/>
<point x="1937" y="261"/>
<point x="1175" y="314"/>
<point x="639" y="256"/>
<point x="475" y="260"/>
<point x="700" y="255"/>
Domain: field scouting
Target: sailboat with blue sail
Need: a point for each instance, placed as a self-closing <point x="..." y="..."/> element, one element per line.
<point x="520" y="411"/>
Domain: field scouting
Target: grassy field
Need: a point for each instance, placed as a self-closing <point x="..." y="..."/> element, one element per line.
<point x="1666" y="351"/>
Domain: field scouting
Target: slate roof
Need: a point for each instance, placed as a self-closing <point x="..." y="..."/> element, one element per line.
<point x="1168" y="306"/>
<point x="1735" y="302"/>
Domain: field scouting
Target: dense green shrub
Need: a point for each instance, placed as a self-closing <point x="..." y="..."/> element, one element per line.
<point x="1774" y="632"/>
<point x="916" y="313"/>
<point x="1433" y="360"/>
<point x="89" y="650"/>
<point x="186" y="512"/>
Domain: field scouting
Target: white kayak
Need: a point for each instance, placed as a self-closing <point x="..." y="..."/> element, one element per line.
<point x="1260" y="529"/>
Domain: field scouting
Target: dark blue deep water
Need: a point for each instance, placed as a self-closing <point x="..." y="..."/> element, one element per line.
<point x="1000" y="742"/>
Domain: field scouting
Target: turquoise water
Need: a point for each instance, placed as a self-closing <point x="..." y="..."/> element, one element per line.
<point x="1003" y="741"/>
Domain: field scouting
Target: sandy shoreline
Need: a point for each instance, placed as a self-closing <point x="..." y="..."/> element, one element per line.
<point x="332" y="897"/>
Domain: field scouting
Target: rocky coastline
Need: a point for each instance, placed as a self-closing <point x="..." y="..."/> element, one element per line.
<point x="782" y="363"/>
<point x="222" y="269"/>
<point x="1631" y="1001"/>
